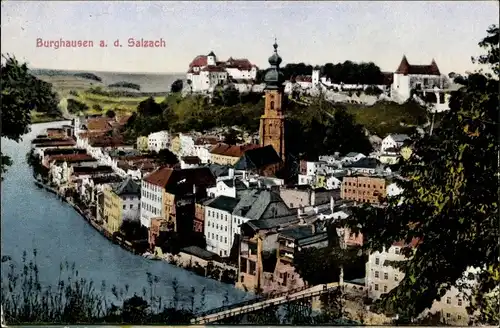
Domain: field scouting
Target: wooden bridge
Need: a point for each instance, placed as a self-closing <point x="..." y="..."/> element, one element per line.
<point x="262" y="302"/>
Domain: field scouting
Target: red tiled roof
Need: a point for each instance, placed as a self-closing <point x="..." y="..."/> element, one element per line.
<point x="199" y="61"/>
<point x="242" y="64"/>
<point x="91" y="134"/>
<point x="68" y="142"/>
<point x="98" y="124"/>
<point x="71" y="158"/>
<point x="166" y="177"/>
<point x="106" y="141"/>
<point x="83" y="170"/>
<point x="213" y="69"/>
<point x="405" y="68"/>
<point x="414" y="242"/>
<point x="232" y="151"/>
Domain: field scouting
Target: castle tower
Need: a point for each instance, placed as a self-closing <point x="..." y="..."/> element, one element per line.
<point x="272" y="123"/>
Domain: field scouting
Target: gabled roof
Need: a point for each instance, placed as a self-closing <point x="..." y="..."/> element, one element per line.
<point x="231" y="150"/>
<point x="219" y="170"/>
<point x="127" y="187"/>
<point x="192" y="160"/>
<point x="224" y="203"/>
<point x="169" y="178"/>
<point x="298" y="232"/>
<point x="211" y="54"/>
<point x="257" y="158"/>
<point x="407" y="69"/>
<point x="236" y="183"/>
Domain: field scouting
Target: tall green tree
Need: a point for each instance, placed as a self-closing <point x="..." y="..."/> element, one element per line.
<point x="21" y="93"/>
<point x="450" y="202"/>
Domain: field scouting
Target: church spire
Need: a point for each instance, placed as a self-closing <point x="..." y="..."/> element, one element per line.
<point x="274" y="78"/>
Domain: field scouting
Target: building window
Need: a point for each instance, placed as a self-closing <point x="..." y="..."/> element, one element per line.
<point x="213" y="235"/>
<point x="459" y="302"/>
<point x="272" y="105"/>
<point x="459" y="317"/>
<point x="124" y="206"/>
<point x="386" y="275"/>
<point x="217" y="237"/>
<point x="225" y="228"/>
<point x="396" y="250"/>
<point x="217" y="227"/>
<point x="225" y="239"/>
<point x="448" y="315"/>
<point x="376" y="274"/>
<point x="448" y="300"/>
<point x="396" y="278"/>
<point x="376" y="286"/>
<point x="131" y="206"/>
<point x="377" y="261"/>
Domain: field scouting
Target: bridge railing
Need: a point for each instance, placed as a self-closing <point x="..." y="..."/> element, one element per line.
<point x="257" y="299"/>
<point x="264" y="305"/>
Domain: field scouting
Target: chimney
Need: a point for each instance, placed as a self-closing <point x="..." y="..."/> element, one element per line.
<point x="332" y="204"/>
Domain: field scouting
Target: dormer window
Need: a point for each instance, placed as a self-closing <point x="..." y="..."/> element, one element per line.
<point x="272" y="105"/>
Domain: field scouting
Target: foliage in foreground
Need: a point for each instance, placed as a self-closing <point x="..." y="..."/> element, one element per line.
<point x="22" y="93"/>
<point x="76" y="300"/>
<point x="450" y="202"/>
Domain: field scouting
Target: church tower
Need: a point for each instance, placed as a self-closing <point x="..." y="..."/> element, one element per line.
<point x="272" y="123"/>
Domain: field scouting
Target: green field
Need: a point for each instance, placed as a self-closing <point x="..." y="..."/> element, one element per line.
<point x="65" y="85"/>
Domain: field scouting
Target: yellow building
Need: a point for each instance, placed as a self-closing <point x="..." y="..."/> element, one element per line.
<point x="223" y="154"/>
<point x="142" y="143"/>
<point x="169" y="209"/>
<point x="121" y="202"/>
<point x="320" y="181"/>
<point x="175" y="144"/>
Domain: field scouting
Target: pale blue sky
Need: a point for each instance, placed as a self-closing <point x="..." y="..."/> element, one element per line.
<point x="310" y="32"/>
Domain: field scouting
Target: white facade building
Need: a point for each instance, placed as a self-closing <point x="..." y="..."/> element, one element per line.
<point x="218" y="225"/>
<point x="158" y="140"/>
<point x="393" y="141"/>
<point x="416" y="77"/>
<point x="205" y="72"/>
<point x="151" y="202"/>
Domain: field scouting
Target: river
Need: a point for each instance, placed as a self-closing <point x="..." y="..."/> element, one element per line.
<point x="35" y="219"/>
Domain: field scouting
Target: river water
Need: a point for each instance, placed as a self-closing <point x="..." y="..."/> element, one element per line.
<point x="35" y="219"/>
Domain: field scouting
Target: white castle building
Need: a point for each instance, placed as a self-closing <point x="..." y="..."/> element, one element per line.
<point x="205" y="72"/>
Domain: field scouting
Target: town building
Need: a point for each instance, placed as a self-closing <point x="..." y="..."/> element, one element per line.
<point x="393" y="142"/>
<point x="189" y="162"/>
<point x="224" y="154"/>
<point x="202" y="147"/>
<point x="262" y="161"/>
<point x="172" y="194"/>
<point x="228" y="186"/>
<point x="218" y="224"/>
<point x="290" y="241"/>
<point x="121" y="203"/>
<point x="380" y="276"/>
<point x="305" y="195"/>
<point x="142" y="143"/>
<point x="364" y="189"/>
<point x="416" y="77"/>
<point x="272" y="123"/>
<point x="158" y="140"/>
<point x="206" y="72"/>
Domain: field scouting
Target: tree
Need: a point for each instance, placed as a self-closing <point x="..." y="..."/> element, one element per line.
<point x="97" y="107"/>
<point x="176" y="86"/>
<point x="450" y="202"/>
<point x="110" y="113"/>
<point x="21" y="93"/>
<point x="232" y="137"/>
<point x="135" y="310"/>
<point x="149" y="107"/>
<point x="166" y="157"/>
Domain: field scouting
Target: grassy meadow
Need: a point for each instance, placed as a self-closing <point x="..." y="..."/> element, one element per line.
<point x="77" y="88"/>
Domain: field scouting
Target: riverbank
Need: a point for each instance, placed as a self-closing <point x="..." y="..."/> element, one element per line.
<point x="85" y="213"/>
<point x="217" y="271"/>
